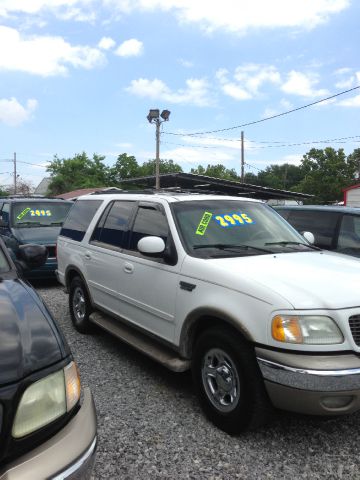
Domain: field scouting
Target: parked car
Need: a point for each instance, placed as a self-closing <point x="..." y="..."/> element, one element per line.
<point x="37" y="221"/>
<point x="334" y="228"/>
<point x="223" y="286"/>
<point x="44" y="431"/>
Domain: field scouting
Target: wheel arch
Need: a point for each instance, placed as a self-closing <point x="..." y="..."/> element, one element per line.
<point x="72" y="272"/>
<point x="203" y="318"/>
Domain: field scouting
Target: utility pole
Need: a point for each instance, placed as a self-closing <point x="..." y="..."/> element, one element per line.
<point x="15" y="175"/>
<point x="242" y="157"/>
<point x="157" y="164"/>
<point x="154" y="117"/>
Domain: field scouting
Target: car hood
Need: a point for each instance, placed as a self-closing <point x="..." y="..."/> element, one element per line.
<point x="38" y="235"/>
<point x="306" y="280"/>
<point x="29" y="339"/>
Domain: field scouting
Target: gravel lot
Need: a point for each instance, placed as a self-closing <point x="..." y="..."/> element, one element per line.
<point x="150" y="424"/>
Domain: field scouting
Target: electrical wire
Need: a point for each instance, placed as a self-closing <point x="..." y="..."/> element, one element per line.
<point x="266" y="118"/>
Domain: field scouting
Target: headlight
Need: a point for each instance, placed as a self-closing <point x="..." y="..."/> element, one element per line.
<point x="46" y="400"/>
<point x="306" y="329"/>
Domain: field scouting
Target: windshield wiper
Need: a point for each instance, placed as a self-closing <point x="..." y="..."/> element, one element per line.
<point x="35" y="224"/>
<point x="229" y="246"/>
<point x="285" y="242"/>
<point x="56" y="223"/>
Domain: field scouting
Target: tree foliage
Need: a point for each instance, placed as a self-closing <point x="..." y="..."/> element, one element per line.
<point x="326" y="172"/>
<point x="216" y="171"/>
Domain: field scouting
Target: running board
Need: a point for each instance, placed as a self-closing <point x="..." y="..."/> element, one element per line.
<point x="141" y="342"/>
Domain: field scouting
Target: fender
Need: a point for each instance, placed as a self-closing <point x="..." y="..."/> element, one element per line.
<point x="70" y="269"/>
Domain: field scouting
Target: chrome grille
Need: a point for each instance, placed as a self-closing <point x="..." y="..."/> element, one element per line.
<point x="354" y="322"/>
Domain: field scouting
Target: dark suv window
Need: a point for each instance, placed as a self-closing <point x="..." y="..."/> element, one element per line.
<point x="322" y="224"/>
<point x="112" y="228"/>
<point x="349" y="235"/>
<point x="149" y="221"/>
<point x="79" y="217"/>
<point x="5" y="213"/>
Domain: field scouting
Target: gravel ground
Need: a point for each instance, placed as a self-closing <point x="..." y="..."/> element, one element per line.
<point x="150" y="424"/>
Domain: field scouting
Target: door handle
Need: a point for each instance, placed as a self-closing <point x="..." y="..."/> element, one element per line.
<point x="128" y="268"/>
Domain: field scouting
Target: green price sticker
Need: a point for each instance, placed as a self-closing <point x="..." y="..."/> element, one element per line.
<point x="204" y="222"/>
<point x="23" y="213"/>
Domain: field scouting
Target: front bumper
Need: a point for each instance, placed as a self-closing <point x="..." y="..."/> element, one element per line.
<point x="311" y="384"/>
<point x="69" y="455"/>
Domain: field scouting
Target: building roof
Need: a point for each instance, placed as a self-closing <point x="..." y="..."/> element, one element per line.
<point x="351" y="187"/>
<point x="202" y="183"/>
<point x="43" y="186"/>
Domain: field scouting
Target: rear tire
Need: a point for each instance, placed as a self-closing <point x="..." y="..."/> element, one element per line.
<point x="80" y="306"/>
<point x="228" y="381"/>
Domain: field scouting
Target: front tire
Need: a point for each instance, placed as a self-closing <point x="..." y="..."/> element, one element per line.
<point x="80" y="306"/>
<point x="228" y="381"/>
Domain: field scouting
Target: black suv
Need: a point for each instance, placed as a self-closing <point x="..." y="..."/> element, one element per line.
<point x="334" y="228"/>
<point x="44" y="431"/>
<point x="34" y="220"/>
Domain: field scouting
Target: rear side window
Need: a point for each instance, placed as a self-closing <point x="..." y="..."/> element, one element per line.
<point x="112" y="228"/>
<point x="321" y="223"/>
<point x="5" y="213"/>
<point x="79" y="218"/>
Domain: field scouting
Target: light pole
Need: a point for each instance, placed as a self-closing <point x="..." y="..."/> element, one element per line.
<point x="154" y="117"/>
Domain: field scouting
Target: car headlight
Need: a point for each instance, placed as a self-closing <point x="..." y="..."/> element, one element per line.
<point x="306" y="329"/>
<point x="46" y="400"/>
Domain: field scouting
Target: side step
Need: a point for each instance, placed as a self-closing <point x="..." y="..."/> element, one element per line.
<point x="141" y="342"/>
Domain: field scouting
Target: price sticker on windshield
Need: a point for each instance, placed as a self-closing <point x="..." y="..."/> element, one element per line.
<point x="204" y="222"/>
<point x="23" y="213"/>
<point x="40" y="213"/>
<point x="229" y="220"/>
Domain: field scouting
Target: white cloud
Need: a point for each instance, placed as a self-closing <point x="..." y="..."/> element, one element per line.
<point x="44" y="55"/>
<point x="196" y="91"/>
<point x="303" y="84"/>
<point x="12" y="113"/>
<point x="106" y="43"/>
<point x="247" y="80"/>
<point x="186" y="156"/>
<point x="347" y="78"/>
<point x="239" y="16"/>
<point x="293" y="159"/>
<point x="185" y="63"/>
<point x="130" y="48"/>
<point x="351" y="102"/>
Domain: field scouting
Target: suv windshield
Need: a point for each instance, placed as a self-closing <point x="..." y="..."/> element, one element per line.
<point x="40" y="213"/>
<point x="218" y="228"/>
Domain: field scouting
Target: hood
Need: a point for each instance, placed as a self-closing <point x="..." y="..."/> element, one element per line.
<point x="28" y="337"/>
<point x="306" y="280"/>
<point x="38" y="235"/>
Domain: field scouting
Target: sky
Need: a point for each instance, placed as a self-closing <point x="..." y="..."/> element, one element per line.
<point x="81" y="75"/>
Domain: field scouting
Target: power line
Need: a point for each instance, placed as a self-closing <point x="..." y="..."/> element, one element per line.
<point x="266" y="118"/>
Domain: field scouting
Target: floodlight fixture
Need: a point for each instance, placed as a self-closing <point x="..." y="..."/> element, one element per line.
<point x="165" y="114"/>
<point x="153" y="114"/>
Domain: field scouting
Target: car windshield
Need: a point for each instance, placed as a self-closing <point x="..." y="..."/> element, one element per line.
<point x="39" y="214"/>
<point x="4" y="265"/>
<point x="218" y="228"/>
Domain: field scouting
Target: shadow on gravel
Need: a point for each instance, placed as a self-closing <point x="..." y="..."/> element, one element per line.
<point x="45" y="283"/>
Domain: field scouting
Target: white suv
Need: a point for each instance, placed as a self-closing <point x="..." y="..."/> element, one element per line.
<point x="223" y="286"/>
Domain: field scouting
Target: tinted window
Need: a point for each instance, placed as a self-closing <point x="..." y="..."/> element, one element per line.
<point x="148" y="222"/>
<point x="5" y="212"/>
<point x="79" y="218"/>
<point x="321" y="223"/>
<point x="113" y="226"/>
<point x="349" y="235"/>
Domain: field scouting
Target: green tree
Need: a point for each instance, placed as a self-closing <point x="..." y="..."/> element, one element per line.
<point x="325" y="173"/>
<point x="284" y="176"/>
<point x="216" y="171"/>
<point x="165" y="166"/>
<point x="69" y="174"/>
<point x="126" y="166"/>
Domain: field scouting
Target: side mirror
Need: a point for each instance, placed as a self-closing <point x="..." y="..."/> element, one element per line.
<point x="33" y="256"/>
<point x="151" y="245"/>
<point x="309" y="237"/>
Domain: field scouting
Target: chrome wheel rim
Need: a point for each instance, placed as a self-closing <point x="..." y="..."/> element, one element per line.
<point x="79" y="304"/>
<point x="221" y="380"/>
